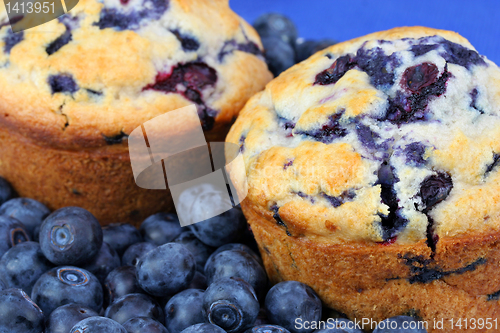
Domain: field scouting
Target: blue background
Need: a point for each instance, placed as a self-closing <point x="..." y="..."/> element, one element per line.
<point x="478" y="21"/>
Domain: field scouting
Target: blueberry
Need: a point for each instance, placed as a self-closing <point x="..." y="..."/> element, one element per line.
<point x="460" y="55"/>
<point x="30" y="212"/>
<point x="289" y="301"/>
<point x="340" y="325"/>
<point x="120" y="236"/>
<point x="415" y="154"/>
<point x="65" y="285"/>
<point x="204" y="328"/>
<point x="135" y="252"/>
<point x="435" y="189"/>
<point x="238" y="246"/>
<point x="3" y="286"/>
<point x="239" y="264"/>
<point x="188" y="43"/>
<point x="132" y="306"/>
<point x="144" y="325"/>
<point x="418" y="77"/>
<point x="120" y="282"/>
<point x="12" y="232"/>
<point x="231" y="303"/>
<point x="12" y="39"/>
<point x="18" y="313"/>
<point x="279" y="54"/>
<point x="199" y="281"/>
<point x="62" y="83"/>
<point x="221" y="229"/>
<point x="6" y="191"/>
<point x="22" y="265"/>
<point x="335" y="72"/>
<point x="276" y="25"/>
<point x="166" y="270"/>
<point x="149" y="10"/>
<point x="62" y="319"/>
<point x="59" y="42"/>
<point x="160" y="228"/>
<point x="267" y="329"/>
<point x="198" y="249"/>
<point x="231" y="45"/>
<point x="328" y="132"/>
<point x="309" y="47"/>
<point x="98" y="325"/>
<point x="70" y="236"/>
<point x="106" y="260"/>
<point x="114" y="139"/>
<point x="400" y="324"/>
<point x="183" y="310"/>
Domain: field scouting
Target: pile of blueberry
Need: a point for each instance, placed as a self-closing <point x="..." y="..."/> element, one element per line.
<point x="283" y="48"/>
<point x="62" y="272"/>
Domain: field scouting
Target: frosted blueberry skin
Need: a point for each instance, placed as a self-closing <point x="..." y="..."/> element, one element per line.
<point x="144" y="325"/>
<point x="198" y="249"/>
<point x="6" y="191"/>
<point x="62" y="83"/>
<point x="267" y="328"/>
<point x="204" y="328"/>
<point x="106" y="260"/>
<point x="132" y="306"/>
<point x="231" y="304"/>
<point x="19" y="314"/>
<point x="166" y="270"/>
<point x="120" y="236"/>
<point x="280" y="55"/>
<point x="199" y="281"/>
<point x="67" y="284"/>
<point x="62" y="319"/>
<point x="120" y="282"/>
<point x="184" y="310"/>
<point x="238" y="264"/>
<point x="276" y="25"/>
<point x="238" y="246"/>
<point x="98" y="325"/>
<point x="12" y="232"/>
<point x="28" y="211"/>
<point x="160" y="228"/>
<point x="70" y="236"/>
<point x="136" y="251"/>
<point x="22" y="265"/>
<point x="289" y="300"/>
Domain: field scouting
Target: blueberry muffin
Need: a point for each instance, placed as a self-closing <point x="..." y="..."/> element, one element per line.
<point x="372" y="176"/>
<point x="73" y="89"/>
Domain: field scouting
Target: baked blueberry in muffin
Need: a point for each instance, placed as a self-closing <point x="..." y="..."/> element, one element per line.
<point x="73" y="89"/>
<point x="372" y="175"/>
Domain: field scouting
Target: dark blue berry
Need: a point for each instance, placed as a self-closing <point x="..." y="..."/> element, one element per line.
<point x="199" y="281"/>
<point x="415" y="154"/>
<point x="238" y="246"/>
<point x="435" y="189"/>
<point x="289" y="301"/>
<point x="239" y="264"/>
<point x="70" y="236"/>
<point x="200" y="251"/>
<point x="65" y="285"/>
<point x="276" y="25"/>
<point x="279" y="54"/>
<point x="22" y="265"/>
<point x="335" y="72"/>
<point x="59" y="42"/>
<point x="418" y="77"/>
<point x="188" y="43"/>
<point x="136" y="251"/>
<point x="12" y="39"/>
<point x="62" y="83"/>
<point x="307" y="48"/>
<point x="460" y="55"/>
<point x="12" y="232"/>
<point x="328" y="132"/>
<point x="183" y="310"/>
<point x="133" y="306"/>
<point x="204" y="328"/>
<point x="98" y="325"/>
<point x="120" y="282"/>
<point x="160" y="228"/>
<point x="6" y="191"/>
<point x="268" y="328"/>
<point x="19" y="314"/>
<point x="30" y="212"/>
<point x="420" y="49"/>
<point x="120" y="236"/>
<point x="62" y="319"/>
<point x="231" y="303"/>
<point x="106" y="260"/>
<point x="221" y="229"/>
<point x="144" y="325"/>
<point x="400" y="324"/>
<point x="377" y="65"/>
<point x="166" y="270"/>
